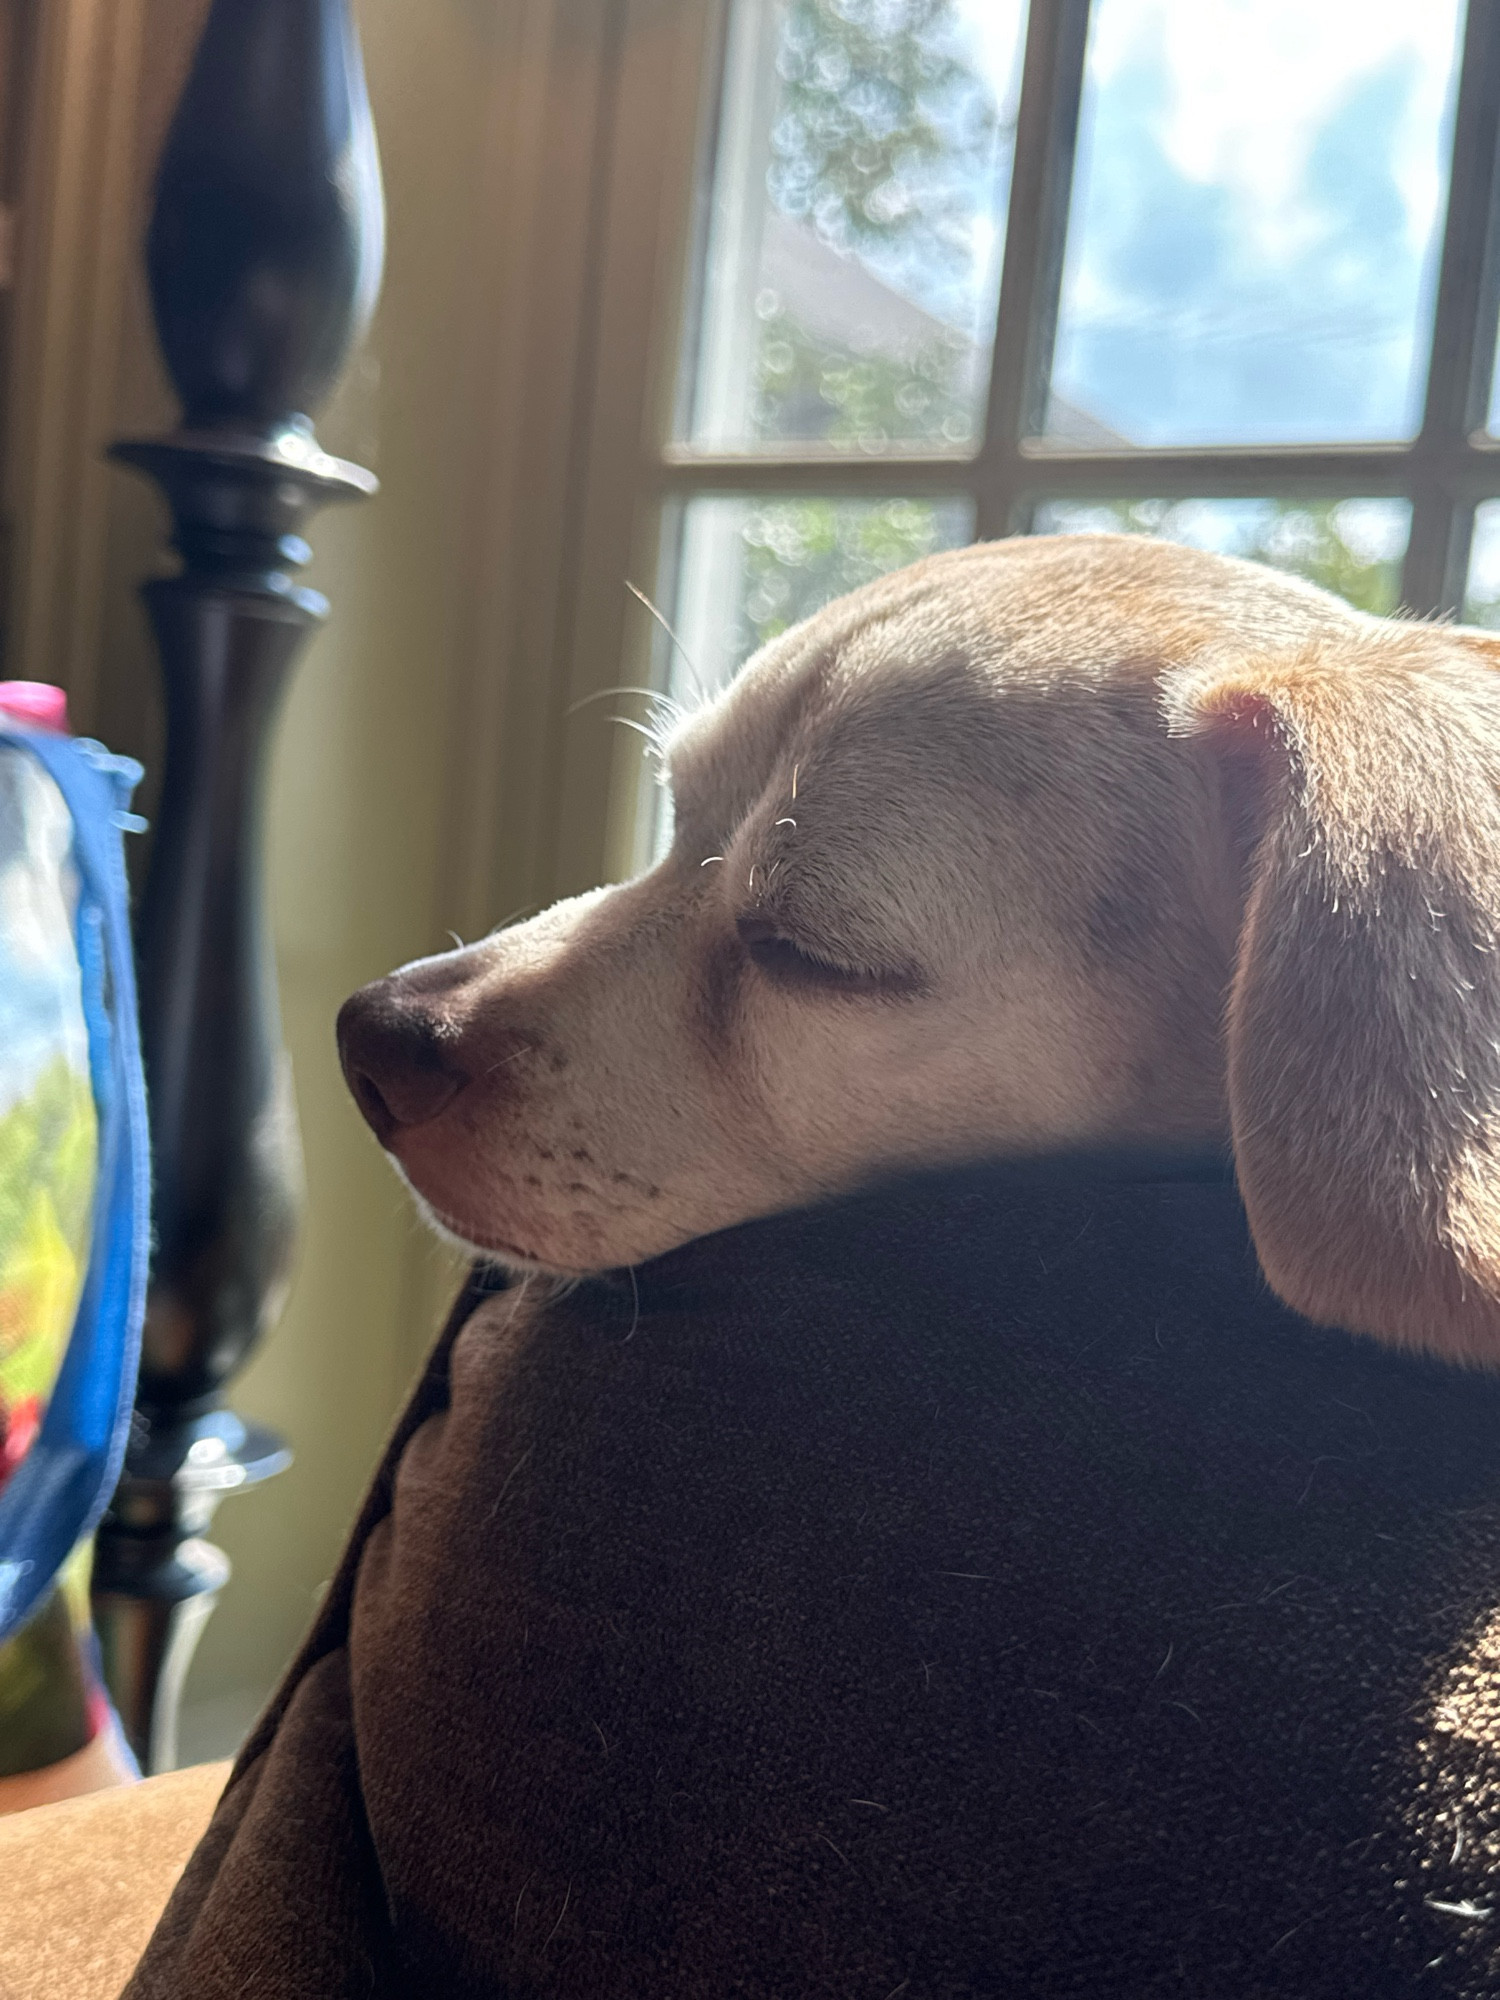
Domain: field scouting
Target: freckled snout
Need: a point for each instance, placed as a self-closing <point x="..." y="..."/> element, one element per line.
<point x="398" y="1059"/>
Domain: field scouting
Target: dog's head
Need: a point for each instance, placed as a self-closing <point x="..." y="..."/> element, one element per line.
<point x="1041" y="844"/>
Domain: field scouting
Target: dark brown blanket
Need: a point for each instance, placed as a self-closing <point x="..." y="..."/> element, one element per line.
<point x="977" y="1588"/>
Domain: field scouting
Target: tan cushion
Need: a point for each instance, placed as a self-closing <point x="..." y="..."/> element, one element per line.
<point x="85" y="1881"/>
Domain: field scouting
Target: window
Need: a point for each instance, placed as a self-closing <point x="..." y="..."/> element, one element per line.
<point x="1220" y="270"/>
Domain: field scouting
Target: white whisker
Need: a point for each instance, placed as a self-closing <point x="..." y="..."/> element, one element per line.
<point x="646" y="693"/>
<point x="697" y="678"/>
<point x="516" y="1056"/>
<point x="636" y="1292"/>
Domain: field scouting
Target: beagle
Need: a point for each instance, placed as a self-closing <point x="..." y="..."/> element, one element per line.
<point x="1043" y="843"/>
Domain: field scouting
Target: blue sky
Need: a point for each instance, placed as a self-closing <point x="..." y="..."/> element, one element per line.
<point x="1252" y="247"/>
<point x="1256" y="214"/>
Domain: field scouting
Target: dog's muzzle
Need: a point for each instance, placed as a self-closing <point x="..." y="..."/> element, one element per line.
<point x="398" y="1061"/>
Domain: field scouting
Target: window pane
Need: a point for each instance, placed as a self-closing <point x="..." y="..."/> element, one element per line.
<point x="856" y="223"/>
<point x="1353" y="547"/>
<point x="1256" y="220"/>
<point x="1482" y="599"/>
<point x="747" y="569"/>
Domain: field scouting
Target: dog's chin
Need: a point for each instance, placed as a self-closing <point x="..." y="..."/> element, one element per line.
<point x="484" y="1244"/>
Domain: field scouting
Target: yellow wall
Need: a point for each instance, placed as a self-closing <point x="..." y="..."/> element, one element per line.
<point x="436" y="765"/>
<point x="357" y="823"/>
<point x="362" y="806"/>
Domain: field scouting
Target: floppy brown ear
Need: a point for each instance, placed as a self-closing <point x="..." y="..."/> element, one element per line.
<point x="1364" y="1016"/>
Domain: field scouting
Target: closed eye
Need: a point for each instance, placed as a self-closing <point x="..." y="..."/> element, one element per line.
<point x="788" y="963"/>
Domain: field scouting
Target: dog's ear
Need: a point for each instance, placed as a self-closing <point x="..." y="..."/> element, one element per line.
<point x="1364" y="1017"/>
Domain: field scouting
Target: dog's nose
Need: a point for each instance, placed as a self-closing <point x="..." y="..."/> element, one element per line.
<point x="393" y="1058"/>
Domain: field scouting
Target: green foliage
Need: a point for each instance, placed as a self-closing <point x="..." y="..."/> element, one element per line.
<point x="882" y="143"/>
<point x="810" y="389"/>
<point x="1320" y="540"/>
<point x="801" y="553"/>
<point x="48" y="1148"/>
<point x="1309" y="540"/>
<point x="48" y="1140"/>
<point x="881" y="126"/>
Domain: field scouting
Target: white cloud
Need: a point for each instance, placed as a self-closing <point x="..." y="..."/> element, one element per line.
<point x="1252" y="82"/>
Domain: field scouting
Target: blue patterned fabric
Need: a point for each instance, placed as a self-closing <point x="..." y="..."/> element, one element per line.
<point x="69" y="1027"/>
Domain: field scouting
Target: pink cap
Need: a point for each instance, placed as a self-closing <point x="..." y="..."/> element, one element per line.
<point x="36" y="703"/>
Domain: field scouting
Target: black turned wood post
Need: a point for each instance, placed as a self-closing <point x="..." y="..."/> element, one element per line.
<point x="264" y="258"/>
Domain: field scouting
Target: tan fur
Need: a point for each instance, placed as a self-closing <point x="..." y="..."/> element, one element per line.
<point x="1364" y="1070"/>
<point x="1045" y="804"/>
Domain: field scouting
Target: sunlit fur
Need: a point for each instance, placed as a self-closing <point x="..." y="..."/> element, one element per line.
<point x="973" y="862"/>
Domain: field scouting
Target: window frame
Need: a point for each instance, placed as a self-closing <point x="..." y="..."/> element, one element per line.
<point x="1444" y="471"/>
<point x="659" y="69"/>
